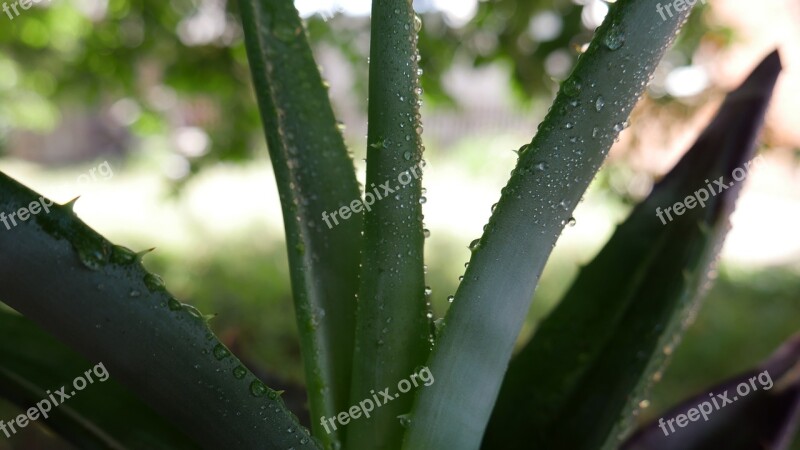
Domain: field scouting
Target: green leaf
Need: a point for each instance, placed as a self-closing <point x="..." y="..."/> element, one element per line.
<point x="98" y="299"/>
<point x="550" y="178"/>
<point x="104" y="415"/>
<point x="392" y="334"/>
<point x="579" y="381"/>
<point x="764" y="417"/>
<point x="316" y="178"/>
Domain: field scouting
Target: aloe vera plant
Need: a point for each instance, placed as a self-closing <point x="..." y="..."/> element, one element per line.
<point x="357" y="274"/>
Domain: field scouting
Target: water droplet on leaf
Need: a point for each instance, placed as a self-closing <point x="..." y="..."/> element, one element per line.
<point x="599" y="103"/>
<point x="257" y="389"/>
<point x="239" y="372"/>
<point x="220" y="352"/>
<point x="572" y="87"/>
<point x="154" y="282"/>
<point x="405" y="420"/>
<point x="438" y="324"/>
<point x="615" y="37"/>
<point x="174" y="305"/>
<point x="92" y="252"/>
<point x="122" y="256"/>
<point x="474" y="245"/>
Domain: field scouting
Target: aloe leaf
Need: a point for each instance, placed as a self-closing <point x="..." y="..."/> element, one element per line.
<point x="578" y="382"/>
<point x="551" y="176"/>
<point x="103" y="416"/>
<point x="392" y="334"/>
<point x="766" y="416"/>
<point x="316" y="178"/>
<point x="98" y="299"/>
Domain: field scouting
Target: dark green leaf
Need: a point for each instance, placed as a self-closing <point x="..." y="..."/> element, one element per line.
<point x="578" y="382"/>
<point x="98" y="299"/>
<point x="315" y="178"/>
<point x="105" y="415"/>
<point x="766" y="416"/>
<point x="549" y="180"/>
<point x="392" y="336"/>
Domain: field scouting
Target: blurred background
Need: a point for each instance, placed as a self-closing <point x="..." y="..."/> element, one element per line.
<point x="145" y="109"/>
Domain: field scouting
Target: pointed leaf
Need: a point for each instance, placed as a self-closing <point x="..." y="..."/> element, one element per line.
<point x="98" y="299"/>
<point x="552" y="174"/>
<point x="316" y="178"/>
<point x="105" y="415"/>
<point x="579" y="380"/>
<point x="392" y="335"/>
<point x="766" y="416"/>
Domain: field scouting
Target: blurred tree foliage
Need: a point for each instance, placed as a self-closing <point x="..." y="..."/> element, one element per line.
<point x="181" y="63"/>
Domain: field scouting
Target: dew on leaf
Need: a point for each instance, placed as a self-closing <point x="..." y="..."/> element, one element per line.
<point x="92" y="252"/>
<point x="239" y="372"/>
<point x="599" y="103"/>
<point x="154" y="282"/>
<point x="122" y="256"/>
<point x="405" y="420"/>
<point x="257" y="389"/>
<point x="573" y="86"/>
<point x="174" y="305"/>
<point x="220" y="352"/>
<point x="615" y="37"/>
